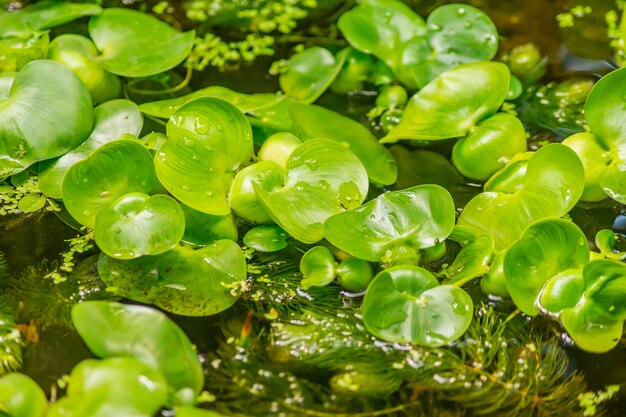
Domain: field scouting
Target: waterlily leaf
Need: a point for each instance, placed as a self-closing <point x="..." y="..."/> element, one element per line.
<point x="137" y="224"/>
<point x="317" y="267"/>
<point x="202" y="229"/>
<point x="453" y="103"/>
<point x="43" y="15"/>
<point x="116" y="385"/>
<point x="48" y="113"/>
<point x="489" y="146"/>
<point x="317" y="122"/>
<point x="605" y="241"/>
<point x="164" y="109"/>
<point x="156" y="46"/>
<point x="208" y="139"/>
<point x="20" y="396"/>
<point x="111" y="120"/>
<point x="114" y="169"/>
<point x="456" y="34"/>
<point x="381" y="27"/>
<point x="415" y="218"/>
<point x="266" y="238"/>
<point x="406" y="304"/>
<point x="309" y="73"/>
<point x="112" y="329"/>
<point x="186" y="281"/>
<point x="79" y="54"/>
<point x="552" y="185"/>
<point x="546" y="248"/>
<point x="472" y="261"/>
<point x="244" y="200"/>
<point x="322" y="178"/>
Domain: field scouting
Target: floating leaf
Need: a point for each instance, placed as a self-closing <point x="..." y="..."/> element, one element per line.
<point x="48" y="113"/>
<point x="354" y="274"/>
<point x="112" y="120"/>
<point x="317" y="267"/>
<point x="208" y="139"/>
<point x="415" y="218"/>
<point x="596" y="160"/>
<point x="31" y="203"/>
<point x="186" y="281"/>
<point x="472" y="261"/>
<point x="20" y="396"/>
<point x="605" y="241"/>
<point x="406" y="304"/>
<point x="453" y="103"/>
<point x="112" y="329"/>
<point x="322" y="178"/>
<point x="137" y="224"/>
<point x="156" y="46"/>
<point x="552" y="185"/>
<point x="202" y="229"/>
<point x="17" y="52"/>
<point x="244" y="200"/>
<point x="266" y="238"/>
<point x="114" y="169"/>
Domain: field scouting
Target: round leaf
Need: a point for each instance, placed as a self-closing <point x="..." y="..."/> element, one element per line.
<point x="111" y="120"/>
<point x="546" y="248"/>
<point x="202" y="229"/>
<point x="595" y="159"/>
<point x="243" y="199"/>
<point x="135" y="44"/>
<point x="562" y="291"/>
<point x="184" y="281"/>
<point x="318" y="267"/>
<point x="48" y="113"/>
<point x="111" y="329"/>
<point x="114" y="169"/>
<point x="266" y="238"/>
<point x="208" y="139"/>
<point x="589" y="336"/>
<point x="137" y="224"/>
<point x="453" y="103"/>
<point x="415" y="218"/>
<point x="354" y="274"/>
<point x="20" y="396"/>
<point x="605" y="112"/>
<point x="405" y="304"/>
<point x="605" y="241"/>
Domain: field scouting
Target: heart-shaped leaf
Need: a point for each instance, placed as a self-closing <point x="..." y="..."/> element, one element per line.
<point x="137" y="224"/>
<point x="48" y="113"/>
<point x="111" y="120"/>
<point x="156" y="46"/>
<point x="112" y="329"/>
<point x="317" y="267"/>
<point x="453" y="103"/>
<point x="407" y="304"/>
<point x="266" y="238"/>
<point x="208" y="139"/>
<point x="546" y="248"/>
<point x="322" y="178"/>
<point x="114" y="169"/>
<point x="309" y="73"/>
<point x="415" y="218"/>
<point x="553" y="184"/>
<point x="186" y="281"/>
<point x="489" y="146"/>
<point x="20" y="396"/>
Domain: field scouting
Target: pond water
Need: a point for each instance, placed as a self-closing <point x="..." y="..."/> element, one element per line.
<point x="580" y="52"/>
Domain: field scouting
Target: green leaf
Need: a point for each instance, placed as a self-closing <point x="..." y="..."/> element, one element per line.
<point x="472" y="261"/>
<point x="420" y="166"/>
<point x="111" y="120"/>
<point x="317" y="267"/>
<point x="354" y="274"/>
<point x="552" y="185"/>
<point x="453" y="103"/>
<point x="202" y="229"/>
<point x="381" y="28"/>
<point x="317" y="122"/>
<point x="114" y="169"/>
<point x="186" y="281"/>
<point x="17" y="52"/>
<point x="511" y="177"/>
<point x="595" y="158"/>
<point x="6" y="81"/>
<point x="79" y="54"/>
<point x="589" y="336"/>
<point x="123" y="386"/>
<point x="31" y="203"/>
<point x="136" y="224"/>
<point x="135" y="44"/>
<point x="43" y="15"/>
<point x="112" y="329"/>
<point x="164" y="109"/>
<point x="48" y="113"/>
<point x="20" y="396"/>
<point x="309" y="73"/>
<point x="605" y="241"/>
<point x="208" y="139"/>
<point x="456" y="34"/>
<point x="489" y="146"/>
<point x="266" y="238"/>
<point x="406" y="304"/>
<point x="546" y="248"/>
<point x="244" y="200"/>
<point x="322" y="178"/>
<point x="415" y="218"/>
<point x="562" y="291"/>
